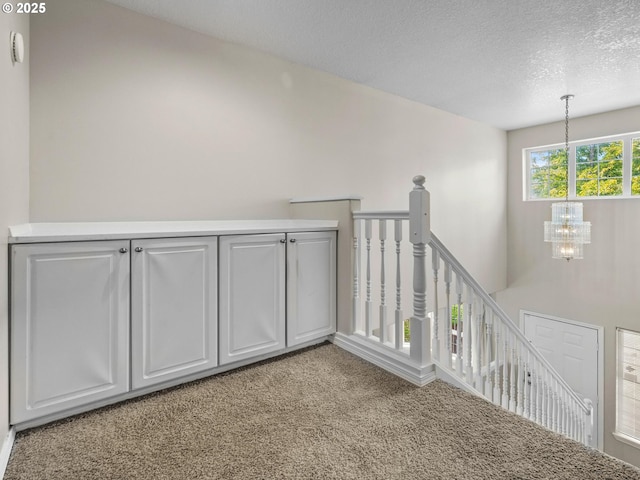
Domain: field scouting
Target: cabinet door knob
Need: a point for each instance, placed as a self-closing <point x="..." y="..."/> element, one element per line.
<point x="124" y="250"/>
<point x="138" y="249"/>
<point x="292" y="240"/>
<point x="282" y="240"/>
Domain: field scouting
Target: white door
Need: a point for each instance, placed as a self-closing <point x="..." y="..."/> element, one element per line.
<point x="311" y="286"/>
<point x="252" y="296"/>
<point x="572" y="349"/>
<point x="69" y="325"/>
<point x="174" y="309"/>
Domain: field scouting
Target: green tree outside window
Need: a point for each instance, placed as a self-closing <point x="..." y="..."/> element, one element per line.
<point x="599" y="169"/>
<point x="635" y="167"/>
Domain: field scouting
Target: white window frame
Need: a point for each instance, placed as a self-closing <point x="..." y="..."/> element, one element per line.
<point x="621" y="436"/>
<point x="627" y="164"/>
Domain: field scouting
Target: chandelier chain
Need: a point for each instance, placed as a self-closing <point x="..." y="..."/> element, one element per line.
<point x="566" y="141"/>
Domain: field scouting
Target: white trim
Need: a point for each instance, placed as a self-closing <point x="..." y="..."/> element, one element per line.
<point x="337" y="198"/>
<point x="382" y="215"/>
<point x="400" y="365"/>
<point x="446" y="375"/>
<point x="600" y="334"/>
<point x="621" y="436"/>
<point x="5" y="452"/>
<point x="626" y="439"/>
<point x="81" y="231"/>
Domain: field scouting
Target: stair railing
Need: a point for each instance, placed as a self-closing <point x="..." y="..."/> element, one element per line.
<point x="464" y="331"/>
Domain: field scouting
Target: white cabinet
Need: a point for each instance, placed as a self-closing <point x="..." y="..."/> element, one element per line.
<point x="252" y="296"/>
<point x="311" y="286"/>
<point x="253" y="319"/>
<point x="93" y="322"/>
<point x="69" y="325"/>
<point x="174" y="309"/>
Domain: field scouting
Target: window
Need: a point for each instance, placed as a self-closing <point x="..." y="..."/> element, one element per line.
<point x="548" y="173"/>
<point x="598" y="168"/>
<point x="628" y="378"/>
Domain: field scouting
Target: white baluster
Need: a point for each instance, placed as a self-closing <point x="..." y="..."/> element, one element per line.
<point x="420" y="234"/>
<point x="368" y="306"/>
<point x="580" y="424"/>
<point x="468" y="340"/>
<point x="570" y="432"/>
<point x="497" y="326"/>
<point x="355" y="321"/>
<point x="521" y="381"/>
<point x="435" y="265"/>
<point x="488" y="343"/>
<point x="538" y="394"/>
<point x="459" y="321"/>
<point x="478" y="341"/>
<point x="383" y="287"/>
<point x="398" y="313"/>
<point x="550" y="400"/>
<point x="512" y="374"/>
<point x="505" y="367"/>
<point x="572" y="419"/>
<point x="525" y="384"/>
<point x="531" y="386"/>
<point x="554" y="406"/>
<point x="447" y="330"/>
<point x="580" y="435"/>
<point x="545" y="398"/>
<point x="565" y="414"/>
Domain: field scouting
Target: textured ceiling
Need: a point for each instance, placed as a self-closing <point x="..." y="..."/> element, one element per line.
<point x="502" y="62"/>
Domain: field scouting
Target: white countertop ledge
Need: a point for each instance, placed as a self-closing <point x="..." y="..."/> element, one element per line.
<point x="84" y="231"/>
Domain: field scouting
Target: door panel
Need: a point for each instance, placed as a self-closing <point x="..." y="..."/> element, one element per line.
<point x="311" y="286"/>
<point x="69" y="326"/>
<point x="252" y="296"/>
<point x="174" y="317"/>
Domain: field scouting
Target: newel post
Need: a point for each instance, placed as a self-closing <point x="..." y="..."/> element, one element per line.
<point x="420" y="234"/>
<point x="588" y="431"/>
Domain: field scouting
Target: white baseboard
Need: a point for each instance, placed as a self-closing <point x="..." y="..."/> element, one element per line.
<point x="5" y="451"/>
<point x="447" y="376"/>
<point x="387" y="359"/>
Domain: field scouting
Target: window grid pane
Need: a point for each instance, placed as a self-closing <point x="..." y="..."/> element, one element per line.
<point x="548" y="174"/>
<point x="628" y="404"/>
<point x="599" y="169"/>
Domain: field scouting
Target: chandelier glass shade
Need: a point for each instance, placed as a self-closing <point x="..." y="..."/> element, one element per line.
<point x="567" y="231"/>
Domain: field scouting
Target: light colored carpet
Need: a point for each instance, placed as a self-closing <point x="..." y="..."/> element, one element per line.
<point x="319" y="414"/>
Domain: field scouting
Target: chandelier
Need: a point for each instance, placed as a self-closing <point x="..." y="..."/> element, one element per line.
<point x="566" y="230"/>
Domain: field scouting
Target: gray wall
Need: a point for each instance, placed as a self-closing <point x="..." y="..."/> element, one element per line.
<point x="603" y="288"/>
<point x="14" y="176"/>
<point x="136" y="119"/>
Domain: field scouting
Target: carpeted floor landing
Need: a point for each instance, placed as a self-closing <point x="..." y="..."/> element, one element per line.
<point x="319" y="414"/>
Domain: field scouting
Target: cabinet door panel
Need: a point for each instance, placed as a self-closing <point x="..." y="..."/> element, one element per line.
<point x="311" y="286"/>
<point x="69" y="326"/>
<point x="174" y="312"/>
<point x="252" y="296"/>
